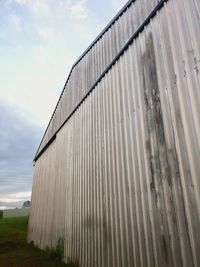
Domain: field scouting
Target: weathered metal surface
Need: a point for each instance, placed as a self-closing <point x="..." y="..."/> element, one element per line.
<point x="121" y="181"/>
<point x="92" y="64"/>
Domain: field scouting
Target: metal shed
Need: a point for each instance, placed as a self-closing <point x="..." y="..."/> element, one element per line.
<point x="117" y="173"/>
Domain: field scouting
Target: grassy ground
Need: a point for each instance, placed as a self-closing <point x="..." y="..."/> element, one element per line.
<point x="15" y="252"/>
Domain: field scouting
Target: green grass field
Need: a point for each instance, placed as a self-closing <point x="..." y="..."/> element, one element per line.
<point x="15" y="252"/>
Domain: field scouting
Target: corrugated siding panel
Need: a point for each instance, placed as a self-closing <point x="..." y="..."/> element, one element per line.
<point x="121" y="182"/>
<point x="121" y="30"/>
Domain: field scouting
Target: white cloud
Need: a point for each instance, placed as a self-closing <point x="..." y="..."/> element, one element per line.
<point x="15" y="22"/>
<point x="21" y="195"/>
<point x="13" y="198"/>
<point x="39" y="56"/>
<point x="4" y="207"/>
<point x="20" y="2"/>
<point x="83" y="20"/>
<point x="10" y="200"/>
<point x="46" y="33"/>
<point x="79" y="10"/>
<point x="118" y="4"/>
<point x="17" y="2"/>
<point x="39" y="7"/>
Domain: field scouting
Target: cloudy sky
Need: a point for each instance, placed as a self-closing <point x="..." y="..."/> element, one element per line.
<point x="39" y="42"/>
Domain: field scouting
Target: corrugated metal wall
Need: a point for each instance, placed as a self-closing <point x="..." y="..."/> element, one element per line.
<point x="121" y="181"/>
<point x="90" y="66"/>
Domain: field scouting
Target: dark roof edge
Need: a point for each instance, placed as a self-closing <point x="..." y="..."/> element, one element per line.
<point x="81" y="57"/>
<point x="127" y="5"/>
<point x="128" y="43"/>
